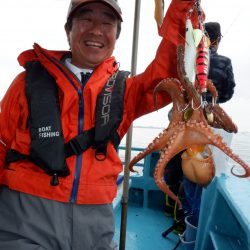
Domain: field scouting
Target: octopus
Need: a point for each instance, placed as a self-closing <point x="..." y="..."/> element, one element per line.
<point x="191" y="126"/>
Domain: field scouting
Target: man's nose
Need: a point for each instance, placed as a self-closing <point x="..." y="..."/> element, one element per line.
<point x="97" y="28"/>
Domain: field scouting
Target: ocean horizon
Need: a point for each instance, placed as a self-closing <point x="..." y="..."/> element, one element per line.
<point x="143" y="135"/>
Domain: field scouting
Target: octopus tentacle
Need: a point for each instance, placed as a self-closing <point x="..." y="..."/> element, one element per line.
<point x="221" y="118"/>
<point x="193" y="135"/>
<point x="247" y="174"/>
<point x="159" y="175"/>
<point x="188" y="128"/>
<point x="172" y="86"/>
<point x="158" y="143"/>
<point x="153" y="146"/>
<point x="212" y="89"/>
<point x="216" y="140"/>
<point x="208" y="137"/>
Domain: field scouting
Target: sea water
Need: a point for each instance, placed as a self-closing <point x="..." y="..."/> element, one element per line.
<point x="142" y="136"/>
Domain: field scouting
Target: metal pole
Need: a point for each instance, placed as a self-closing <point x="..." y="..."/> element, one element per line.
<point x="124" y="202"/>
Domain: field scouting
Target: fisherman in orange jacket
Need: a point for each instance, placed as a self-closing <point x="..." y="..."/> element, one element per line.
<point x="50" y="197"/>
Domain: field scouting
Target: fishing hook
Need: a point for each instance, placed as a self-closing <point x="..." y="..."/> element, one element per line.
<point x="182" y="109"/>
<point x="192" y="105"/>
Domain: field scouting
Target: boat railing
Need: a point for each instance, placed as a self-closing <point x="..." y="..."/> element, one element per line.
<point x="224" y="221"/>
<point x="143" y="189"/>
<point x="134" y="151"/>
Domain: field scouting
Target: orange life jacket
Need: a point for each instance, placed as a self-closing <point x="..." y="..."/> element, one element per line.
<point x="47" y="149"/>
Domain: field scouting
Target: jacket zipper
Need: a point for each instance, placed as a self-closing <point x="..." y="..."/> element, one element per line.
<point x="75" y="186"/>
<point x="61" y="67"/>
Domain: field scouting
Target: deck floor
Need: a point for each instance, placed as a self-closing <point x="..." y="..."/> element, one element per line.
<point x="144" y="229"/>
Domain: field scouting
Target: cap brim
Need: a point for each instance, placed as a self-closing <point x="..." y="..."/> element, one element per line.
<point x="106" y="2"/>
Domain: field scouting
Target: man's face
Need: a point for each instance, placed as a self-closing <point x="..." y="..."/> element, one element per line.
<point x="93" y="35"/>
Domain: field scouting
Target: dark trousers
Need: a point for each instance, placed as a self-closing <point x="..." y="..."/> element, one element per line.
<point x="32" y="223"/>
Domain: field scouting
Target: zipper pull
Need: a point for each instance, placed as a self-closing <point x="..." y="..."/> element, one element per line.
<point x="54" y="180"/>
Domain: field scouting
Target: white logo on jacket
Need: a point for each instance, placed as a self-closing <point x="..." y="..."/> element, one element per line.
<point x="46" y="132"/>
<point x="107" y="100"/>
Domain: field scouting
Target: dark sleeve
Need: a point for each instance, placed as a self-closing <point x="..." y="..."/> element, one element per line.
<point x="227" y="90"/>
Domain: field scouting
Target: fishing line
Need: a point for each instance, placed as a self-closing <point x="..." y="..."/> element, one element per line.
<point x="234" y="20"/>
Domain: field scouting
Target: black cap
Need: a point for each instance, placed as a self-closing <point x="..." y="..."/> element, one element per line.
<point x="213" y="30"/>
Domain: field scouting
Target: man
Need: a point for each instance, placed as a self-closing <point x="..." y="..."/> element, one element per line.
<point x="57" y="174"/>
<point x="221" y="70"/>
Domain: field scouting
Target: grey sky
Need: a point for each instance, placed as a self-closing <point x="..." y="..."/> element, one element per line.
<point x="28" y="21"/>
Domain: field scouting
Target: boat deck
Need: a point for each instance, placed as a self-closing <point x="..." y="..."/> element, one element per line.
<point x="144" y="229"/>
<point x="146" y="218"/>
<point x="224" y="221"/>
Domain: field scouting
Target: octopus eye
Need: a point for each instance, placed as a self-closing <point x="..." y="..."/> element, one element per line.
<point x="187" y="114"/>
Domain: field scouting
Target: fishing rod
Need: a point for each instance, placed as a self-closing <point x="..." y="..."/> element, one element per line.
<point x="124" y="201"/>
<point x="241" y="9"/>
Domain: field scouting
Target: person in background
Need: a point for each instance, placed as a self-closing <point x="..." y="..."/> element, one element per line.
<point x="220" y="69"/>
<point x="58" y="171"/>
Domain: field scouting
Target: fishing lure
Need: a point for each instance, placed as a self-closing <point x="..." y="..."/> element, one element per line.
<point x="202" y="59"/>
<point x="196" y="54"/>
<point x="202" y="63"/>
<point x="190" y="52"/>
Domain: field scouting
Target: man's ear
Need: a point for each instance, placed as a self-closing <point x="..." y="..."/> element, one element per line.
<point x="66" y="28"/>
<point x="67" y="31"/>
